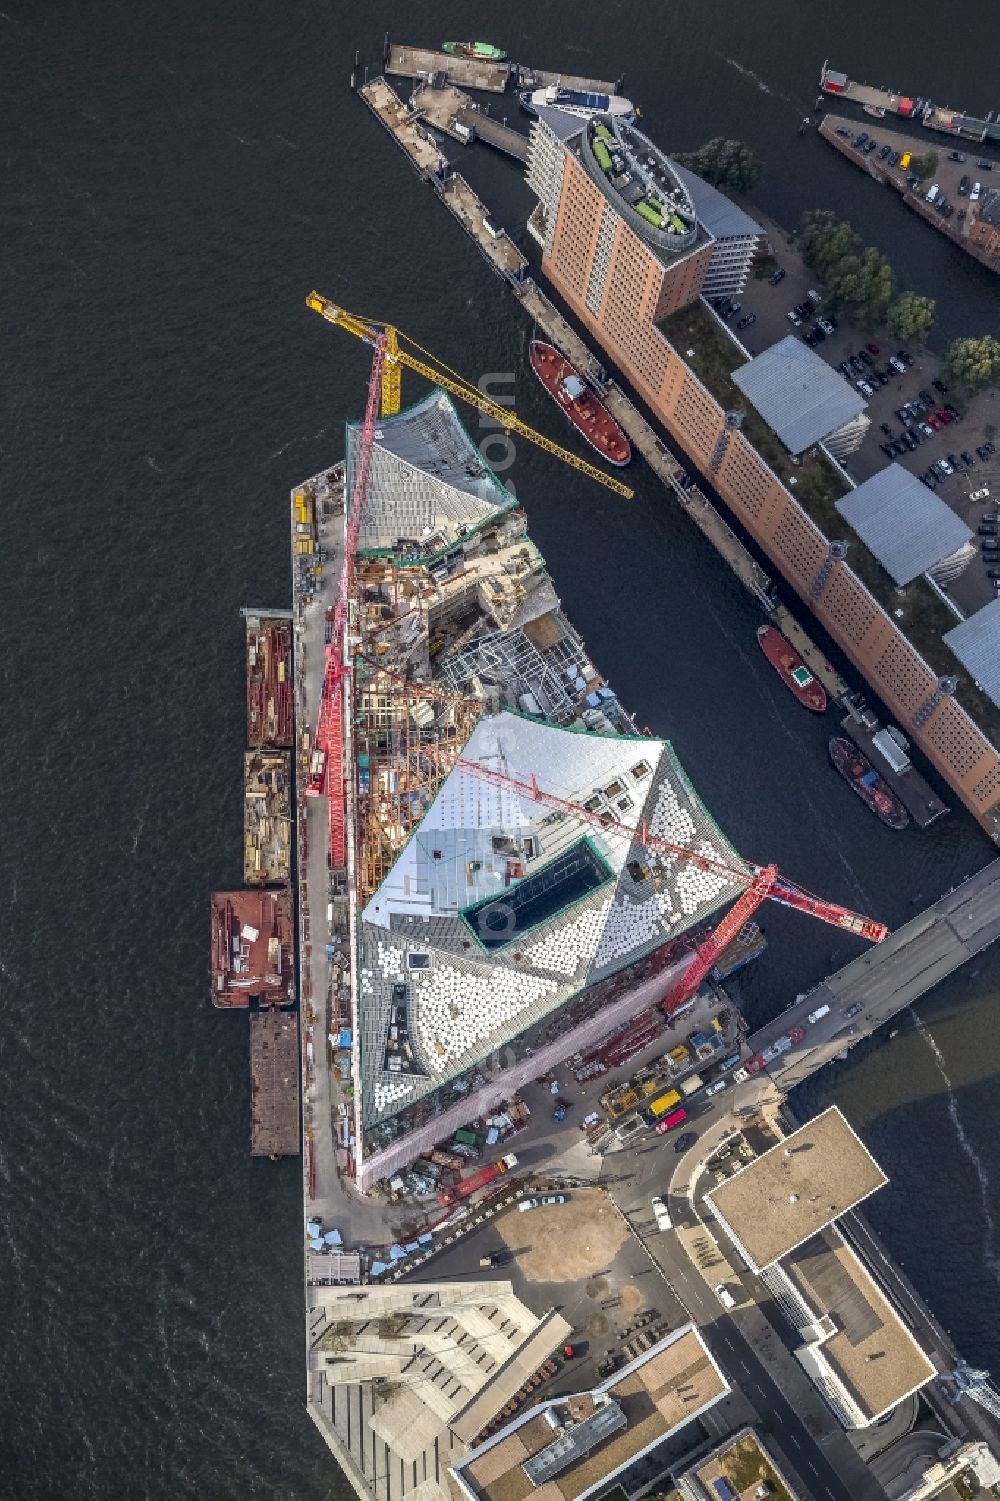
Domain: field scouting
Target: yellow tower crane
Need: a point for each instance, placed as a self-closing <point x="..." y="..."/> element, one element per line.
<point x="440" y="375"/>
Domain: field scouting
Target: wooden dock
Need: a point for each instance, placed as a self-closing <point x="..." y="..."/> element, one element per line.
<point x="483" y="127"/>
<point x="468" y="72"/>
<point x="451" y="111"/>
<point x="539" y="78"/>
<point x="411" y="134"/>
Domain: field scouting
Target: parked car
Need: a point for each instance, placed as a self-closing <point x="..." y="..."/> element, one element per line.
<point x="853" y="1010"/>
<point x="885" y="428"/>
<point x="724" y="1296"/>
<point x="894" y="159"/>
<point x="794" y="318"/>
<point x="553" y="1199"/>
<point x="967" y="458"/>
<point x="685" y="1141"/>
<point x="660" y="1212"/>
<point x="993" y="573"/>
<point x="716" y="1088"/>
<point x="826" y="325"/>
<point x="939" y="385"/>
<point x="988" y="529"/>
<point x="777" y="276"/>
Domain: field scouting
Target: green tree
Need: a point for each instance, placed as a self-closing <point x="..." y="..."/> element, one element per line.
<point x="724" y="163"/>
<point x="911" y="317"/>
<point x="861" y="282"/>
<point x="974" y="363"/>
<point x="925" y="165"/>
<point x="826" y="240"/>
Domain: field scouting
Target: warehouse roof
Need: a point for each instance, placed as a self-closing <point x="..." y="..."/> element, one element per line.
<point x="903" y="523"/>
<point x="976" y="644"/>
<point x="789" y="1193"/>
<point x="798" y="394"/>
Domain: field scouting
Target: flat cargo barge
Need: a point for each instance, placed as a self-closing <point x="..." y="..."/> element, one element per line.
<point x="274" y="1084"/>
<point x="932" y="116"/>
<point x="267" y="817"/>
<point x="270" y="707"/>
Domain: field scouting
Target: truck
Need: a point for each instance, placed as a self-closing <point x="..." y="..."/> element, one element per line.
<point x="470" y="1138"/>
<point x="466" y="1186"/>
<point x="691" y="1085"/>
<point x="664" y="1102"/>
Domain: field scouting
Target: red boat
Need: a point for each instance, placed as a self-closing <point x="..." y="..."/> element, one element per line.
<point x="791" y="669"/>
<point x="571" y="393"/>
<point x="860" y="774"/>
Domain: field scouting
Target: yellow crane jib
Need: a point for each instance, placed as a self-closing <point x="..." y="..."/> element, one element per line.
<point x="449" y="380"/>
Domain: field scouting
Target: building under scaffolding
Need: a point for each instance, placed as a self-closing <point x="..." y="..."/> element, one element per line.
<point x="488" y="925"/>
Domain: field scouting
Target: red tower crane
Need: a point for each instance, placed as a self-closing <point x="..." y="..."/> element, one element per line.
<point x="762" y="882"/>
<point x="327" y="766"/>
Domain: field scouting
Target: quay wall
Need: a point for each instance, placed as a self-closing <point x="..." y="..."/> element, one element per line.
<point x="881" y="173"/>
<point x="634" y="296"/>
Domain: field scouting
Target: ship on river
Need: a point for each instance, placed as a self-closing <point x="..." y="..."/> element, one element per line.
<point x="573" y="396"/>
<point x="861" y="776"/>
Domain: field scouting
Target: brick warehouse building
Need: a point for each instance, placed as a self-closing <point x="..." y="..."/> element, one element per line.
<point x="621" y="274"/>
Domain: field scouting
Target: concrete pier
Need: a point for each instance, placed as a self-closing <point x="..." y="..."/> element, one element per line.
<point x="540" y="78"/>
<point x="467" y="72"/>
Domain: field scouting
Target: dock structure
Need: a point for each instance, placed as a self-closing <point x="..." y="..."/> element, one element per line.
<point x="947" y="121"/>
<point x="253" y="958"/>
<point x="274" y="1084"/>
<point x="267" y="817"/>
<point x="540" y="78"/>
<point x="468" y="72"/>
<point x="451" y="111"/>
<point x="483" y="127"/>
<point x="410" y="133"/>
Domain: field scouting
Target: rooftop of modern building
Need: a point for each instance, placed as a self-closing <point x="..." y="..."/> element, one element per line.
<point x="989" y="209"/>
<point x="642" y="184"/>
<point x="413" y="1371"/>
<point x="590" y="1438"/>
<point x="502" y="906"/>
<point x="976" y="644"/>
<point x="789" y="1193"/>
<point x="743" y="1463"/>
<point x="429" y="486"/>
<point x="870" y="1350"/>
<point x="720" y="215"/>
<point x="906" y="526"/>
<point x="798" y="394"/>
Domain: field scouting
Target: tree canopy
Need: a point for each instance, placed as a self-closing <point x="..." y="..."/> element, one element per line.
<point x="724" y="163"/>
<point x="854" y="275"/>
<point x="974" y="363"/>
<point x="911" y="317"/>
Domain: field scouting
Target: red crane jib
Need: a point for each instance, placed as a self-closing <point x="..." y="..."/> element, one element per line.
<point x="330" y="725"/>
<point x="766" y="884"/>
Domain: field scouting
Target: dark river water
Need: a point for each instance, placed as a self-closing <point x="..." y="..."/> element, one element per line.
<point x="176" y="177"/>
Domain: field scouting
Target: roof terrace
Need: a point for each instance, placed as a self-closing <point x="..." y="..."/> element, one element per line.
<point x="641" y="183"/>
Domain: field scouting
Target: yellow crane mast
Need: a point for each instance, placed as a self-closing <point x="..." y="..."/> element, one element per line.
<point x="440" y="375"/>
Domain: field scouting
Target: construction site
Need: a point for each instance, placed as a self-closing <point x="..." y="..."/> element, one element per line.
<point x="497" y="869"/>
<point x="267" y="817"/>
<point x="252" y="963"/>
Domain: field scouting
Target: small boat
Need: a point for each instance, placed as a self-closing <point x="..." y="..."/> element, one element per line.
<point x="791" y="669"/>
<point x="483" y="51"/>
<point x="861" y="776"/>
<point x="576" y="102"/>
<point x="874" y="109"/>
<point x="571" y="393"/>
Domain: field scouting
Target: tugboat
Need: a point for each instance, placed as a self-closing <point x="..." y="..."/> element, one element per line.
<point x="860" y="775"/>
<point x="573" y="396"/>
<point x="791" y="669"/>
<point x="484" y="51"/>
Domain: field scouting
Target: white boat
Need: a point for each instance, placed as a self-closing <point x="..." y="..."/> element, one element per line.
<point x="577" y="102"/>
<point x="874" y="109"/>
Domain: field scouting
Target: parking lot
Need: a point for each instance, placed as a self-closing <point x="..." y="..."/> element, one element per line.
<point x="979" y="417"/>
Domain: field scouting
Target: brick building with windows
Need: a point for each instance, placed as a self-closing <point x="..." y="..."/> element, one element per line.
<point x="622" y="274"/>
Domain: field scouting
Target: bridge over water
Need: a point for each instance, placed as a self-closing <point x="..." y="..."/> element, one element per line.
<point x="886" y="979"/>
